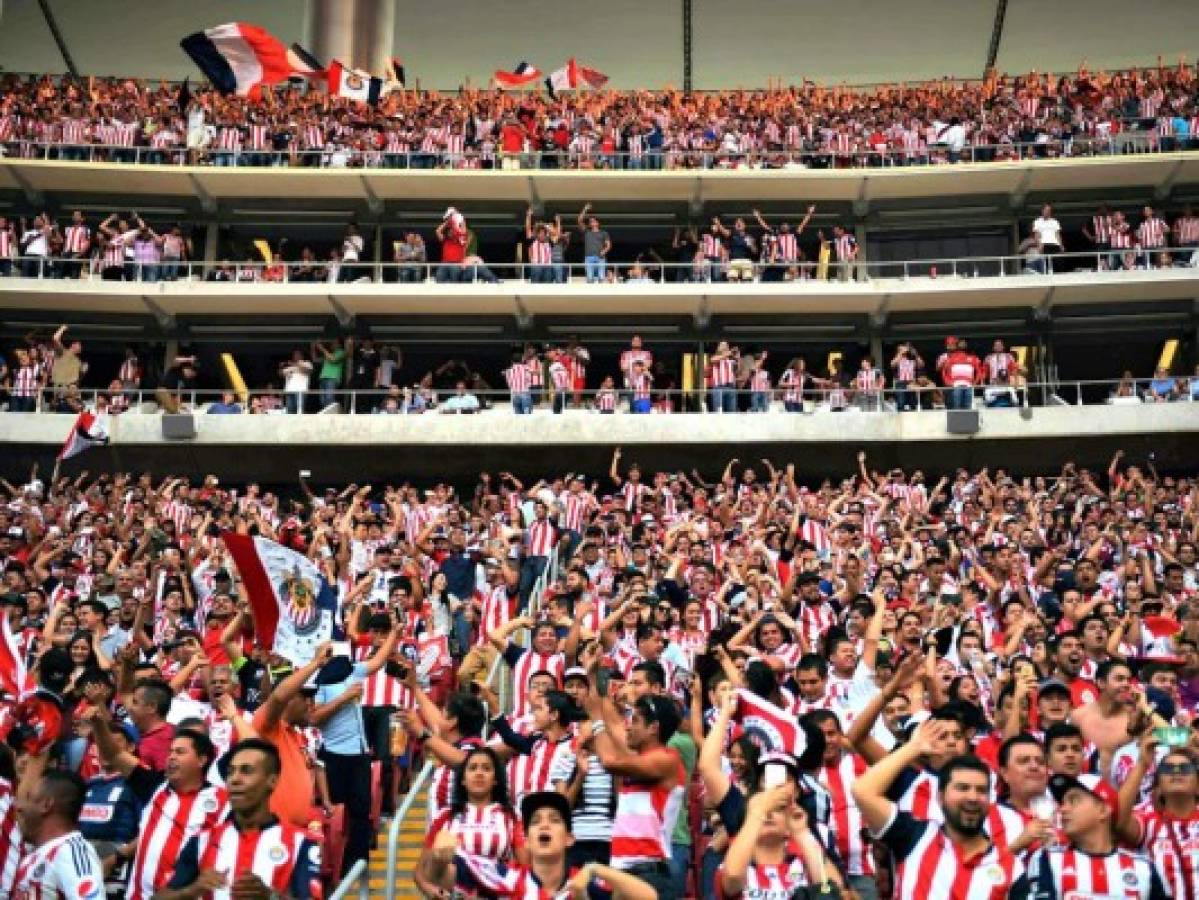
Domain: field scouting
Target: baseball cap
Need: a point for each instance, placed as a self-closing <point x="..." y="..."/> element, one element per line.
<point x="542" y="800"/>
<point x="1052" y="685"/>
<point x="575" y="672"/>
<point x="1092" y="784"/>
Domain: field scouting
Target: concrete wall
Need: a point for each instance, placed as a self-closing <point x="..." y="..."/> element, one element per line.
<point x="273" y="448"/>
<point x="639" y="43"/>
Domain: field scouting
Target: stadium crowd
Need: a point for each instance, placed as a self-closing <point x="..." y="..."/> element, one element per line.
<point x="975" y="685"/>
<point x="46" y="372"/>
<point x="997" y="118"/>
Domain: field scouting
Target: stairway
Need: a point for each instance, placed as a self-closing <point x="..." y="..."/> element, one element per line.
<point x="412" y="837"/>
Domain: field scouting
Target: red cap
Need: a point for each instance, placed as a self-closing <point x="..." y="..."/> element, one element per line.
<point x="1059" y="785"/>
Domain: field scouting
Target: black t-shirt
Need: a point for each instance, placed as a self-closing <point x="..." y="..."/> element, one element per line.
<point x="175" y="380"/>
<point x="249" y="677"/>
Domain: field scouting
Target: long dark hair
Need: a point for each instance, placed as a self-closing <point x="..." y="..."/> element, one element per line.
<point x="499" y="790"/>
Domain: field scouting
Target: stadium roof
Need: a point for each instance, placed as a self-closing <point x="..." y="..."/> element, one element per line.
<point x="639" y="42"/>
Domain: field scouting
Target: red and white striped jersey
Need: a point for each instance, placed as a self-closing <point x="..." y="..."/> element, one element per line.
<point x="7" y="242"/>
<point x="540" y="538"/>
<point x="382" y="689"/>
<point x="641" y="385"/>
<point x="645" y="817"/>
<point x="529" y="773"/>
<point x="442" y="781"/>
<point x="74" y="131"/>
<point x="999" y="365"/>
<point x="846" y="819"/>
<point x="540" y="252"/>
<point x="518" y="378"/>
<point x="495" y="611"/>
<point x="574" y="508"/>
<point x="605" y="400"/>
<point x="313" y="137"/>
<point x="65" y="868"/>
<point x="814" y="620"/>
<point x="560" y="376"/>
<point x="536" y="376"/>
<point x="178" y="512"/>
<point x="169" y="820"/>
<point x="1167" y="839"/>
<point x="780" y="881"/>
<point x="711" y="245"/>
<point x="258" y="137"/>
<point x="928" y="864"/>
<point x="492" y="831"/>
<point x="1071" y="873"/>
<point x="76" y="239"/>
<point x="630" y="356"/>
<point x="1102" y="227"/>
<point x="1186" y="230"/>
<point x="760" y="380"/>
<point x="1152" y="233"/>
<point x="788" y="246"/>
<point x="281" y="855"/>
<point x="723" y="372"/>
<point x="844" y="246"/>
<point x="10" y="839"/>
<point x="229" y="138"/>
<point x="1121" y="236"/>
<point x="524" y="663"/>
<point x="26" y="380"/>
<point x="792" y="383"/>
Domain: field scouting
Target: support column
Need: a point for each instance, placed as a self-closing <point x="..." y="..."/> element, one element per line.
<point x="374" y="33"/>
<point x="211" y="240"/>
<point x="329" y="30"/>
<point x="687" y="46"/>
<point x="859" y="235"/>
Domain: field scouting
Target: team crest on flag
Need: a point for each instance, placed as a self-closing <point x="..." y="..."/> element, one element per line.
<point x="769" y="726"/>
<point x="293" y="604"/>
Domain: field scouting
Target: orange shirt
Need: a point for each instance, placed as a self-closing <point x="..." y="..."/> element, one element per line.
<point x="292" y="799"/>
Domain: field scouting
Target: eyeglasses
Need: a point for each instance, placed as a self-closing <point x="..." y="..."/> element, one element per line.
<point x="1184" y="768"/>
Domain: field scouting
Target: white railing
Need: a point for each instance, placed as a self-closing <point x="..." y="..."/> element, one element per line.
<point x="798" y="272"/>
<point x="335" y="155"/>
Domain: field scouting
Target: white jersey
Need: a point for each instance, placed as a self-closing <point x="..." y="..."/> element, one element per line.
<point x="65" y="868"/>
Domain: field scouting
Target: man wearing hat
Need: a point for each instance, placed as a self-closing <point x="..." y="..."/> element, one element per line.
<point x="546" y="819"/>
<point x="1091" y="864"/>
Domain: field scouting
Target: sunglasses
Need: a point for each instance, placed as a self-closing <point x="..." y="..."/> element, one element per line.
<point x="1185" y="768"/>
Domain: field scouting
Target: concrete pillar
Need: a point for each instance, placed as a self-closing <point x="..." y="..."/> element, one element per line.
<point x="211" y="240"/>
<point x="329" y="30"/>
<point x="358" y="33"/>
<point x="859" y="235"/>
<point x="374" y="33"/>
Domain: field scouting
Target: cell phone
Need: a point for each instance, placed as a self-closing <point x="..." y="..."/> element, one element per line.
<point x="305" y="473"/>
<point x="1172" y="737"/>
<point x="602" y="681"/>
<point x="774" y="775"/>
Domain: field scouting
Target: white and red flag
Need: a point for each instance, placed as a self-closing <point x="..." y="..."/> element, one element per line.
<point x="237" y="57"/>
<point x="89" y="430"/>
<point x="524" y="74"/>
<point x="769" y="726"/>
<point x="293" y="604"/>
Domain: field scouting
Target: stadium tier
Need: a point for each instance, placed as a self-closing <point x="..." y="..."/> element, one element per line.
<point x="568" y="485"/>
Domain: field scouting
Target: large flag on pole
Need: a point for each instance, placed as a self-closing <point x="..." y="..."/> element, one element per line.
<point x="88" y="431"/>
<point x="294" y="606"/>
<point x="238" y="57"/>
<point x="563" y="79"/>
<point x="769" y="726"/>
<point x="524" y="74"/>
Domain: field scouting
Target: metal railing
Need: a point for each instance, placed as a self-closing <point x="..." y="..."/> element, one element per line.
<point x="796" y="272"/>
<point x="337" y="156"/>
<point x="358" y="877"/>
<point x="820" y="394"/>
<point x="547" y="577"/>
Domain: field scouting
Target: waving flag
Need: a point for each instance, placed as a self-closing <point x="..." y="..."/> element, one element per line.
<point x="592" y="78"/>
<point x="14" y="677"/>
<point x="238" y="57"/>
<point x="354" y="84"/>
<point x="768" y="726"/>
<point x="524" y="74"/>
<point x="88" y="431"/>
<point x="294" y="606"/>
<point x="564" y="79"/>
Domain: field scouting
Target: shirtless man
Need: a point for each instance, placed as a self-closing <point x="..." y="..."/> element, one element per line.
<point x="1105" y="722"/>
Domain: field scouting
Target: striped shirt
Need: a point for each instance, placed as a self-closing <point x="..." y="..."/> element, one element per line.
<point x="524" y="663"/>
<point x="1070" y="873"/>
<point x="169" y="820"/>
<point x="1151" y="233"/>
<point x="641" y="385"/>
<point x="645" y="817"/>
<point x="848" y="826"/>
<point x="281" y="855"/>
<point x="1186" y="230"/>
<point x="491" y="830"/>
<point x="1166" y="840"/>
<point x="723" y="372"/>
<point x="1102" y="227"/>
<point x="529" y="772"/>
<point x="76" y="239"/>
<point x="605" y="400"/>
<point x="592" y="816"/>
<point x="792" y="383"/>
<point x="10" y="839"/>
<point x="65" y="868"/>
<point x="442" y="781"/>
<point x="518" y="378"/>
<point x="540" y="538"/>
<point x="928" y="865"/>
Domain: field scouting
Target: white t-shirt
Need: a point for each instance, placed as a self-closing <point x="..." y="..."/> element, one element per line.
<point x="1049" y="231"/>
<point x="297" y="377"/>
<point x="35" y="243"/>
<point x="351" y="248"/>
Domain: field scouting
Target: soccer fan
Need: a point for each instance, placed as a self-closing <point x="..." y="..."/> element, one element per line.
<point x="250" y="853"/>
<point x="953" y="859"/>
<point x="546" y="820"/>
<point x="1092" y="863"/>
<point x="60" y="862"/>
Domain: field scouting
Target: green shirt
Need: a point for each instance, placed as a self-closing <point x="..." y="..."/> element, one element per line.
<point x="334" y="366"/>
<point x="683" y="743"/>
